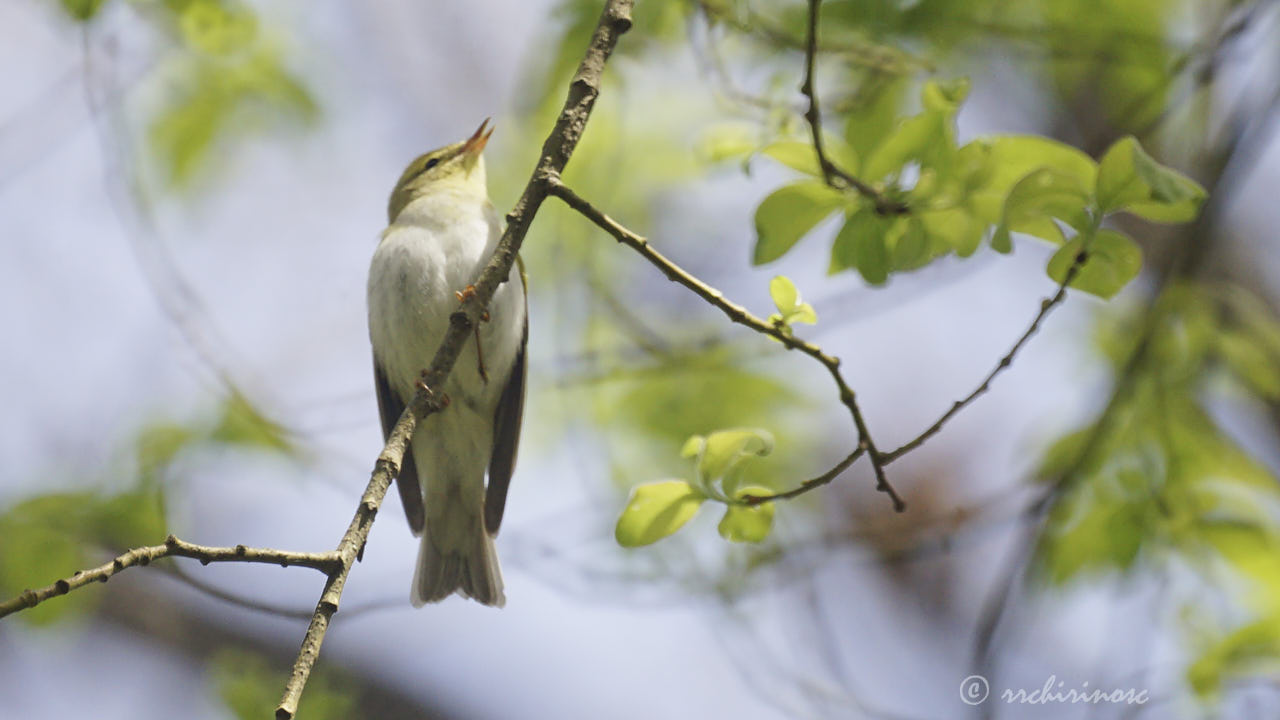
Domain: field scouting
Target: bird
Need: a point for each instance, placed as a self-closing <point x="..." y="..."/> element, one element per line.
<point x="442" y="230"/>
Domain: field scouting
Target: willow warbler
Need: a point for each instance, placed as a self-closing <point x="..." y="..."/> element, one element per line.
<point x="442" y="232"/>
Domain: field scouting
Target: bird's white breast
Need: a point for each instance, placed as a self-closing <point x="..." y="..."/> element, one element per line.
<point x="437" y="246"/>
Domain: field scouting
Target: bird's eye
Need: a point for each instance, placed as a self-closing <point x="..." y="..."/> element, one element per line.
<point x="431" y="163"/>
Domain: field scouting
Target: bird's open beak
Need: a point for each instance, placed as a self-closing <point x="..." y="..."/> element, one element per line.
<point x="475" y="144"/>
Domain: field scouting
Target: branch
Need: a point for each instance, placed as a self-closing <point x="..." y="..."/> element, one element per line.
<point x="583" y="90"/>
<point x="834" y="175"/>
<point x="172" y="547"/>
<point x="740" y="315"/>
<point x="1046" y="306"/>
<point x="812" y="483"/>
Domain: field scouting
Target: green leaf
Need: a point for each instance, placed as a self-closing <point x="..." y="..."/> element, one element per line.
<point x="1130" y="180"/>
<point x="693" y="446"/>
<point x="787" y="299"/>
<point x="726" y="448"/>
<point x="913" y="139"/>
<point x="1010" y="158"/>
<point x="803" y="313"/>
<point x="784" y="293"/>
<point x="655" y="511"/>
<point x="955" y="227"/>
<point x="1017" y="155"/>
<point x="1113" y="260"/>
<point x="973" y="164"/>
<point x="911" y="247"/>
<point x="747" y="523"/>
<point x="861" y="244"/>
<point x="945" y="96"/>
<point x="871" y="121"/>
<point x="1036" y="200"/>
<point x="788" y="214"/>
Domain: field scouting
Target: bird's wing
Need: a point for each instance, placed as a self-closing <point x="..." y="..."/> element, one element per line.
<point x="506" y="436"/>
<point x="390" y="407"/>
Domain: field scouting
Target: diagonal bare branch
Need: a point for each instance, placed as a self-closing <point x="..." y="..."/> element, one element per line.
<point x="1046" y="306"/>
<point x="583" y="90"/>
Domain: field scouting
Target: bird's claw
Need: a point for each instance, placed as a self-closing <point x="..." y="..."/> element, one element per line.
<point x="421" y="384"/>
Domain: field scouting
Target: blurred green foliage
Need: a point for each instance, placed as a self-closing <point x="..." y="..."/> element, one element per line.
<point x="241" y="423"/>
<point x="1157" y="481"/>
<point x="214" y="99"/>
<point x="225" y="79"/>
<point x="250" y="686"/>
<point x="82" y="10"/>
<point x="52" y="535"/>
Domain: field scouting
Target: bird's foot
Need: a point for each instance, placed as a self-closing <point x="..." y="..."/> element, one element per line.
<point x="421" y="384"/>
<point x="464" y="295"/>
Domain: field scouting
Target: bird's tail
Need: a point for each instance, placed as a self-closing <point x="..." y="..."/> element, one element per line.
<point x="457" y="555"/>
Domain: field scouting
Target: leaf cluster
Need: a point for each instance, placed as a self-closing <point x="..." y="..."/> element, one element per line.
<point x="962" y="196"/>
<point x="656" y="510"/>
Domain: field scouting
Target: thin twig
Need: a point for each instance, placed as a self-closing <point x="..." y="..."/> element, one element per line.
<point x="810" y="484"/>
<point x="172" y="547"/>
<point x="744" y="317"/>
<point x="834" y="175"/>
<point x="560" y="143"/>
<point x="1046" y="306"/>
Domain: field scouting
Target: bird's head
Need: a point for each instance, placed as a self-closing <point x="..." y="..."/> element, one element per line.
<point x="456" y="168"/>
